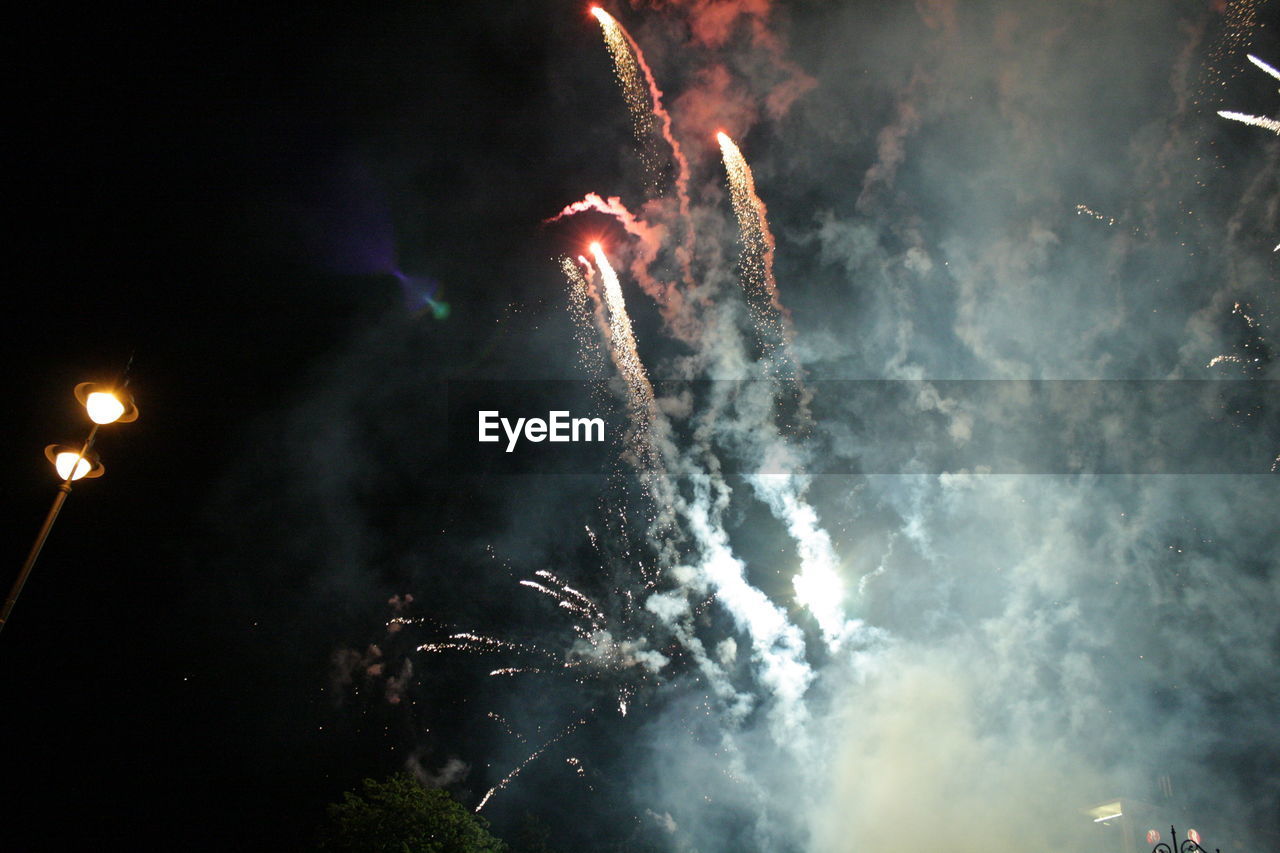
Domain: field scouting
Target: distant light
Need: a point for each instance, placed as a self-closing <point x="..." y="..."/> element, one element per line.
<point x="1193" y="835"/>
<point x="103" y="407"/>
<point x="1153" y="836"/>
<point x="63" y="462"/>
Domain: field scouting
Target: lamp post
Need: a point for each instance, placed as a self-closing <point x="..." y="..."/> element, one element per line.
<point x="1190" y="844"/>
<point x="104" y="405"/>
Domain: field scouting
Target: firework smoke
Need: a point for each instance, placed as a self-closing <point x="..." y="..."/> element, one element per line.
<point x="650" y="236"/>
<point x="998" y="645"/>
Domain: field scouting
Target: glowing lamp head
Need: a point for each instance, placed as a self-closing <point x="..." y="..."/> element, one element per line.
<point x="105" y="405"/>
<point x="71" y="464"/>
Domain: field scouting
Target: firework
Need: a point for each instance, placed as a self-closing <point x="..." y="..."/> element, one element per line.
<point x="1264" y="66"/>
<point x="771" y="321"/>
<point x="627" y="70"/>
<point x="623" y="347"/>
<point x="649" y="239"/>
<point x="1256" y="121"/>
<point x="581" y="313"/>
<point x="644" y="101"/>
<point x="532" y="757"/>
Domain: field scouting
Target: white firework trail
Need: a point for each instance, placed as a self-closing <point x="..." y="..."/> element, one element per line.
<point x="515" y="670"/>
<point x="1257" y="121"/>
<point x="1264" y="66"/>
<point x="1254" y="120"/>
<point x="623" y="339"/>
<point x="466" y="641"/>
<point x="532" y="757"/>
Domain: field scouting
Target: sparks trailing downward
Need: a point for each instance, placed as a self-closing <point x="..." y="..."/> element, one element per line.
<point x="630" y="78"/>
<point x="533" y="756"/>
<point x="644" y="100"/>
<point x="623" y="346"/>
<point x="767" y="314"/>
<point x="1257" y="121"/>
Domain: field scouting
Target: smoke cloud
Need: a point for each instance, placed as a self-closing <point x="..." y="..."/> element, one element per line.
<point x="937" y="655"/>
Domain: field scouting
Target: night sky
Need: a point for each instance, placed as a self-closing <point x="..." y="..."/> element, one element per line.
<point x="319" y="233"/>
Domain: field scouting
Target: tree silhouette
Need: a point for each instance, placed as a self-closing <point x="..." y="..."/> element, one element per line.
<point x="401" y="816"/>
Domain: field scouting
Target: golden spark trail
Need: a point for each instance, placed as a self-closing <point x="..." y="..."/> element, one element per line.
<point x="645" y="104"/>
<point x="506" y="780"/>
<point x="644" y="100"/>
<point x="581" y="313"/>
<point x="770" y="318"/>
<point x="627" y="70"/>
<point x="639" y="390"/>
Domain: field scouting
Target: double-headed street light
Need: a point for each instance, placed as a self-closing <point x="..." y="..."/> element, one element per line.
<point x="104" y="405"/>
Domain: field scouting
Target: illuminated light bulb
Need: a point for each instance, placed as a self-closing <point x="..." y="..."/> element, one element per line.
<point x="63" y="462"/>
<point x="104" y="407"/>
<point x="64" y="456"/>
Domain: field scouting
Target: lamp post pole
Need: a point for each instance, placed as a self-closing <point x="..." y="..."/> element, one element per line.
<point x="104" y="406"/>
<point x="64" y="489"/>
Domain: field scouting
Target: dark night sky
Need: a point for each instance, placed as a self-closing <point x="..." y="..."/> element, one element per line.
<point x="224" y="191"/>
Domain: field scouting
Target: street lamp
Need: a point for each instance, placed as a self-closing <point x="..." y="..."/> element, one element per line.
<point x="104" y="405"/>
<point x="1190" y="844"/>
